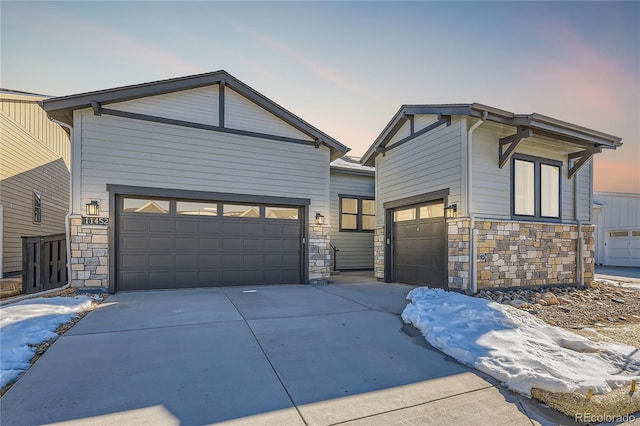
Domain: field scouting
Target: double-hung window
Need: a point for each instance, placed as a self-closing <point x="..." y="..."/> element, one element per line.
<point x="357" y="213"/>
<point x="536" y="188"/>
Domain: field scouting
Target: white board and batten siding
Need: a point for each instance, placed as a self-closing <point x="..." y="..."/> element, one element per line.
<point x="491" y="185"/>
<point x="134" y="152"/>
<point x="617" y="216"/>
<point x="428" y="163"/>
<point x="356" y="248"/>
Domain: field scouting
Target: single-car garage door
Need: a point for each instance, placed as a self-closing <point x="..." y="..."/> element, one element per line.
<point x="168" y="243"/>
<point x="419" y="245"/>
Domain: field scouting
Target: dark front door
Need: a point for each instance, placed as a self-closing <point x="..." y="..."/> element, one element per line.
<point x="419" y="235"/>
<point x="165" y="243"/>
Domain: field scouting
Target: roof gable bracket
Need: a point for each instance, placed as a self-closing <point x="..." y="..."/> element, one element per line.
<point x="442" y="119"/>
<point x="97" y="108"/>
<point x="513" y="141"/>
<point x="584" y="157"/>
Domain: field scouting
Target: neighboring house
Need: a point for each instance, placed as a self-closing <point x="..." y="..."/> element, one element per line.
<point x="469" y="196"/>
<point x="617" y="216"/>
<point x="352" y="214"/>
<point x="203" y="182"/>
<point x="34" y="175"/>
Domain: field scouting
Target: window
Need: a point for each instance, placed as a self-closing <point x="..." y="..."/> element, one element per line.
<point x="196" y="208"/>
<point x="37" y="207"/>
<point x="290" y="213"/>
<point x="357" y="213"/>
<point x="619" y="234"/>
<point x="536" y="188"/>
<point x="138" y="205"/>
<point x="234" y="210"/>
<point x="404" y="215"/>
<point x="635" y="233"/>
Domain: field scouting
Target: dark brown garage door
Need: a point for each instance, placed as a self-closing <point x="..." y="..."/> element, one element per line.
<point x="165" y="243"/>
<point x="419" y="245"/>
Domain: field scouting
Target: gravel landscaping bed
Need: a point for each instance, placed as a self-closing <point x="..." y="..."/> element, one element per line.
<point x="604" y="311"/>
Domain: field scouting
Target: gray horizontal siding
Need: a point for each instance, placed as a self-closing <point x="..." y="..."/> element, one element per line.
<point x="356" y="248"/>
<point x="492" y="185"/>
<point x="196" y="105"/>
<point x="26" y="164"/>
<point x="240" y="113"/>
<point x="430" y="162"/>
<point x="132" y="152"/>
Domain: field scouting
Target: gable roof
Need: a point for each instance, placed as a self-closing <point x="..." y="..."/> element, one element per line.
<point x="61" y="108"/>
<point x="541" y="125"/>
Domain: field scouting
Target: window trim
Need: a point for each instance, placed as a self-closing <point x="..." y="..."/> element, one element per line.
<point x="537" y="177"/>
<point x="36" y="213"/>
<point x="358" y="215"/>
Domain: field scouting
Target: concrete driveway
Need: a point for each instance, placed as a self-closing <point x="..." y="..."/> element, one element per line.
<point x="282" y="355"/>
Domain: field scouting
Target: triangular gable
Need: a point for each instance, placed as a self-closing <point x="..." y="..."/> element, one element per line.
<point x="245" y="102"/>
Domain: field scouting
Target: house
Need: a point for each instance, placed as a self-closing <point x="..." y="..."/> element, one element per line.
<point x="34" y="175"/>
<point x="352" y="214"/>
<point x="617" y="216"/>
<point x="195" y="181"/>
<point x="470" y="196"/>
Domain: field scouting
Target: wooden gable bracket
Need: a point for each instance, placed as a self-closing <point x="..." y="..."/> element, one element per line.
<point x="513" y="141"/>
<point x="446" y="119"/>
<point x="97" y="108"/>
<point x="584" y="157"/>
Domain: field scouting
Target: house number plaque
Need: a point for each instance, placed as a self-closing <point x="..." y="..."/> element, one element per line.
<point x="89" y="220"/>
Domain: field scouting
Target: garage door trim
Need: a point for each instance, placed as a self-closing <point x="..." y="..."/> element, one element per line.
<point x="389" y="207"/>
<point x="116" y="191"/>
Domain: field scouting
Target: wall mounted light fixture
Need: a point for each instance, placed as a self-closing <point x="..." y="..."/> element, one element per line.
<point x="93" y="208"/>
<point x="451" y="211"/>
<point x="319" y="219"/>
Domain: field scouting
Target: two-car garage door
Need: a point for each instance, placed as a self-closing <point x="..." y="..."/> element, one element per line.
<point x="172" y="243"/>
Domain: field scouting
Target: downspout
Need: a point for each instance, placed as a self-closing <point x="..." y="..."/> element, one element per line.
<point x="67" y="228"/>
<point x="579" y="242"/>
<point x="473" y="233"/>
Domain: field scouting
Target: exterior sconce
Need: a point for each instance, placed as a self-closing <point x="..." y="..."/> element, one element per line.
<point x="451" y="211"/>
<point x="319" y="219"/>
<point x="93" y="208"/>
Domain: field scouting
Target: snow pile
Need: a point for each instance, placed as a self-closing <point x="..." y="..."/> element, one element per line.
<point x="516" y="348"/>
<point x="29" y="323"/>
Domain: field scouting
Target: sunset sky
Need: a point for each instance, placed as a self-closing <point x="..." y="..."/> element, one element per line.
<point x="346" y="67"/>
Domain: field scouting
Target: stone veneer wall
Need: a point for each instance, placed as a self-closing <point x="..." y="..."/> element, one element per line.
<point x="89" y="254"/>
<point x="378" y="253"/>
<point x="530" y="254"/>
<point x="319" y="254"/>
<point x="458" y="250"/>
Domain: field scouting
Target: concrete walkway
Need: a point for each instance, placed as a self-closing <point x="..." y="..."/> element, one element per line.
<point x="282" y="355"/>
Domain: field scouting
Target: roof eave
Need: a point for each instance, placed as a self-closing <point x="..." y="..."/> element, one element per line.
<point x="61" y="108"/>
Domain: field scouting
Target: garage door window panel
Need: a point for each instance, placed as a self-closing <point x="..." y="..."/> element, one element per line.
<point x="139" y="205"/>
<point x="243" y="211"/>
<point x="190" y="208"/>
<point x="282" y="213"/>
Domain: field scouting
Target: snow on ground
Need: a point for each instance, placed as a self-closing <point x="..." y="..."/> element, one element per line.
<point x="32" y="322"/>
<point x="516" y="348"/>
